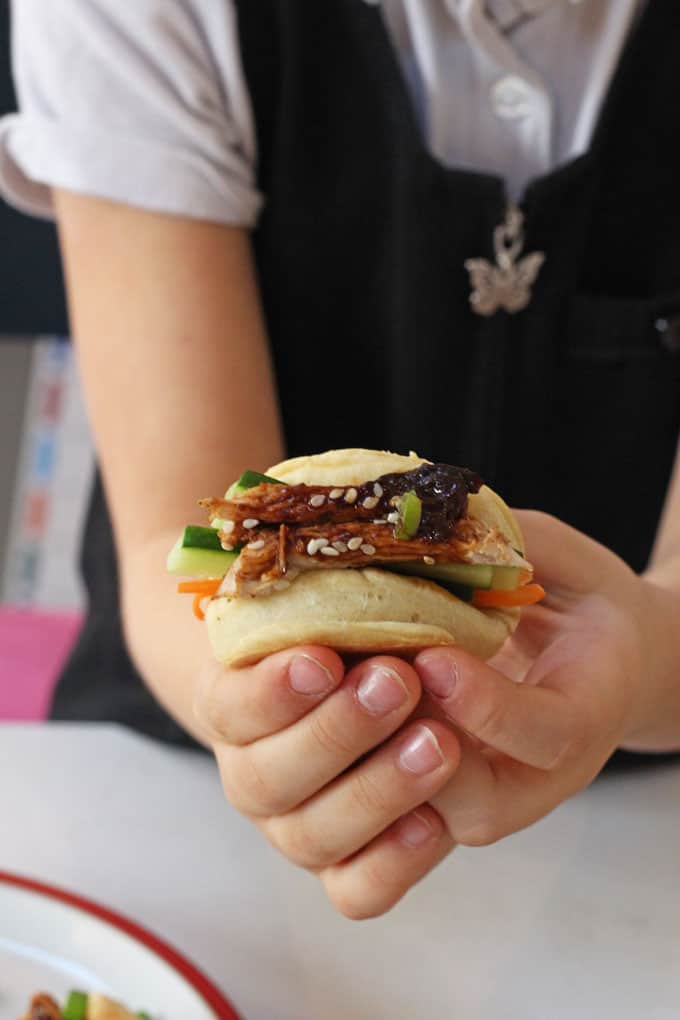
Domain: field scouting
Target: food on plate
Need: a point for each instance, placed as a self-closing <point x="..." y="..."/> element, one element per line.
<point x="360" y="550"/>
<point x="79" y="1006"/>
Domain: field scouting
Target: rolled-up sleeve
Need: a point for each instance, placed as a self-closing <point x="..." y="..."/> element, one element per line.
<point x="140" y="102"/>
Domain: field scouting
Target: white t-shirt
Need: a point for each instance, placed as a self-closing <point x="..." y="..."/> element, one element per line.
<point x="145" y="101"/>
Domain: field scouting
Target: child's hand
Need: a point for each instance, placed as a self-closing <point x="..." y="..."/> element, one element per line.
<point x="323" y="764"/>
<point x="599" y="662"/>
<point x="323" y="773"/>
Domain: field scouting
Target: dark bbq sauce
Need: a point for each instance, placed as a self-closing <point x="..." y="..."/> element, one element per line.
<point x="442" y="488"/>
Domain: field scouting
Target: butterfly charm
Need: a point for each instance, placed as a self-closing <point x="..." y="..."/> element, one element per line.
<point x="508" y="283"/>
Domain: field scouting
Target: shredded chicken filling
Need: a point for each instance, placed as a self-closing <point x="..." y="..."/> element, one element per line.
<point x="43" y="1007"/>
<point x="285" y="530"/>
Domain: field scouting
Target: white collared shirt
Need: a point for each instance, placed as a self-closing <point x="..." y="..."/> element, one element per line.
<point x="511" y="87"/>
<point x="146" y="102"/>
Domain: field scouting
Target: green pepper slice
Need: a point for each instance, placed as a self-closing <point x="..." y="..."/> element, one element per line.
<point x="76" y="1006"/>
<point x="410" y="509"/>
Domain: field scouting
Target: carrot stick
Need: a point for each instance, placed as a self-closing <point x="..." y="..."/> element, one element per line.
<point x="198" y="612"/>
<point x="524" y="596"/>
<point x="208" y="587"/>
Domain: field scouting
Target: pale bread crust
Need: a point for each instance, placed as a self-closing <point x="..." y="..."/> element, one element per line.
<point x="342" y="467"/>
<point x="353" y="611"/>
<point x="99" y="1007"/>
<point x="369" y="610"/>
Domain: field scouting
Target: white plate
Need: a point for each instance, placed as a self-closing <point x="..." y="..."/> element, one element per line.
<point x="54" y="941"/>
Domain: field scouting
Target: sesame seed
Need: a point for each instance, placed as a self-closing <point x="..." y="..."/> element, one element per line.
<point x="222" y="525"/>
<point x="328" y="550"/>
<point x="370" y="502"/>
<point x="368" y="549"/>
<point x="250" y="522"/>
<point x="354" y="544"/>
<point x="229" y="548"/>
<point x="317" y="500"/>
<point x="315" y="544"/>
<point x="335" y="493"/>
<point x="351" y="495"/>
<point x="256" y="545"/>
<point x="378" y="490"/>
<point x="340" y="546"/>
<point x="393" y="518"/>
<point x="429" y="560"/>
<point x="380" y="520"/>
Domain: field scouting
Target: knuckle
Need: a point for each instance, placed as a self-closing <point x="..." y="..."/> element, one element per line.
<point x="489" y="720"/>
<point x="209" y="712"/>
<point x="217" y="720"/>
<point x="577" y="733"/>
<point x="247" y="789"/>
<point x="222" y="701"/>
<point x="291" y="836"/>
<point x="330" y="742"/>
<point x="217" y="713"/>
<point x="382" y="890"/>
<point x="352" y="905"/>
<point x="481" y="830"/>
<point x="368" y="796"/>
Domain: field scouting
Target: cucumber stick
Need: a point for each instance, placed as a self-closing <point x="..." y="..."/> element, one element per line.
<point x="200" y="538"/>
<point x="505" y="578"/>
<point x="469" y="575"/>
<point x="472" y="575"/>
<point x="248" y="480"/>
<point x="188" y="561"/>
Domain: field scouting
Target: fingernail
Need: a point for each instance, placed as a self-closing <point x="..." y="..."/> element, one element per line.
<point x="309" y="676"/>
<point x="439" y="676"/>
<point x="414" y="829"/>
<point x="422" y="753"/>
<point x="381" y="691"/>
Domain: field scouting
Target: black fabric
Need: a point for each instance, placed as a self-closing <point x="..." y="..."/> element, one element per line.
<point x="31" y="286"/>
<point x="570" y="406"/>
<point x="361" y="250"/>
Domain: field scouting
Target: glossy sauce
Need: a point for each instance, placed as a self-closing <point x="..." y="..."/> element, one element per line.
<point x="442" y="488"/>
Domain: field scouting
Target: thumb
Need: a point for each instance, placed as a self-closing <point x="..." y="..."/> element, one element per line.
<point x="565" y="560"/>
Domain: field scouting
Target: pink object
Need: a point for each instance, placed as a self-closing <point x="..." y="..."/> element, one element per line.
<point x="33" y="647"/>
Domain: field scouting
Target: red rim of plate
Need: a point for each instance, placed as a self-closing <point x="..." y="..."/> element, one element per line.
<point x="198" y="981"/>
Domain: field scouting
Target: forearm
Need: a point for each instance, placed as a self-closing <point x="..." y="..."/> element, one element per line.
<point x="659" y="612"/>
<point x="180" y="387"/>
<point x="658" y="723"/>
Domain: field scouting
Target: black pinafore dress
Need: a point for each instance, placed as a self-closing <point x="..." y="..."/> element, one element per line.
<point x="571" y="405"/>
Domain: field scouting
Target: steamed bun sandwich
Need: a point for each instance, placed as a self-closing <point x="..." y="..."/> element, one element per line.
<point x="360" y="550"/>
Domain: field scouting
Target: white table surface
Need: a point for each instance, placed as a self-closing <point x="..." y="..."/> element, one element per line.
<point x="577" y="917"/>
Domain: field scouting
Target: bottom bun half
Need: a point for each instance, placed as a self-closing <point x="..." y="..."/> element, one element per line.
<point x="352" y="610"/>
